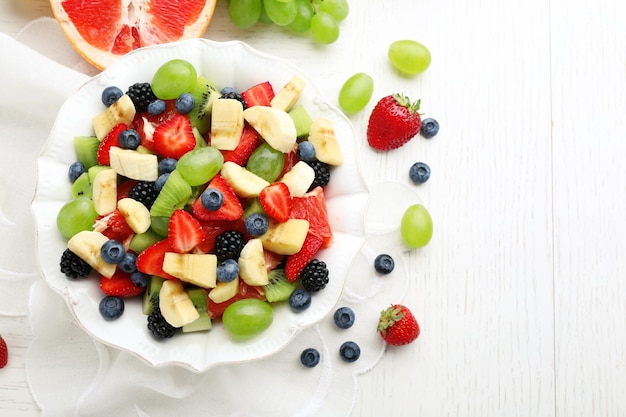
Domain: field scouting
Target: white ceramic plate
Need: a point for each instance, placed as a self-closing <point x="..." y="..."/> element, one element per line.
<point x="227" y="64"/>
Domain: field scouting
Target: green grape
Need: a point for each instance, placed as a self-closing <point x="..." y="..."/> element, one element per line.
<point x="302" y="22"/>
<point x="416" y="226"/>
<point x="409" y="57"/>
<point x="173" y="78"/>
<point x="75" y="216"/>
<point x="247" y="317"/>
<point x="200" y="165"/>
<point x="338" y="9"/>
<point x="281" y="12"/>
<point x="356" y="92"/>
<point x="244" y="13"/>
<point x="324" y="28"/>
<point x="264" y="18"/>
<point x="266" y="162"/>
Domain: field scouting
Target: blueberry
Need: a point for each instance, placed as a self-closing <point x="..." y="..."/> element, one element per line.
<point x="139" y="278"/>
<point x="156" y="107"/>
<point x="111" y="307"/>
<point x="384" y="264"/>
<point x="344" y="317"/>
<point x="212" y="199"/>
<point x="300" y="300"/>
<point x="228" y="90"/>
<point x="128" y="263"/>
<point x="430" y="127"/>
<point x="112" y="251"/>
<point x="110" y="95"/>
<point x="185" y="103"/>
<point x="305" y="151"/>
<point x="310" y="357"/>
<point x="228" y="270"/>
<point x="419" y="172"/>
<point x="76" y="170"/>
<point x="160" y="182"/>
<point x="256" y="224"/>
<point x="129" y="139"/>
<point x="167" y="165"/>
<point x="349" y="351"/>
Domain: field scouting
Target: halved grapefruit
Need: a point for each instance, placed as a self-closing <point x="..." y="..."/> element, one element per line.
<point x="104" y="30"/>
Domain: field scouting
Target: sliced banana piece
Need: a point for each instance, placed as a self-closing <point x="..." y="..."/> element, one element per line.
<point x="176" y="305"/>
<point x="285" y="238"/>
<point x="245" y="183"/>
<point x="133" y="164"/>
<point x="87" y="245"/>
<point x="122" y="111"/>
<point x="289" y="94"/>
<point x="274" y="125"/>
<point x="224" y="291"/>
<point x="299" y="178"/>
<point x="196" y="268"/>
<point x="252" y="267"/>
<point x="322" y="137"/>
<point x="226" y="123"/>
<point x="135" y="213"/>
<point x="104" y="191"/>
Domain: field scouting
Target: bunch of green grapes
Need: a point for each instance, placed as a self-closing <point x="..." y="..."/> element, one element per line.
<point x="320" y="17"/>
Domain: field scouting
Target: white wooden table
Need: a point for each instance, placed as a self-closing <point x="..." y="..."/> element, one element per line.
<point x="522" y="292"/>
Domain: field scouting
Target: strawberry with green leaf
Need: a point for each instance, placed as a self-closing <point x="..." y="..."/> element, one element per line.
<point x="397" y="325"/>
<point x="394" y="121"/>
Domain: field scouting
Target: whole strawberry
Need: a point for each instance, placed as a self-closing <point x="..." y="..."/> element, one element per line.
<point x="398" y="326"/>
<point x="4" y="353"/>
<point x="394" y="121"/>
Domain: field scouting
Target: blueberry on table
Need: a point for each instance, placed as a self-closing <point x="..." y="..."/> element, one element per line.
<point x="349" y="351"/>
<point x="310" y="357"/>
<point x="430" y="127"/>
<point x="111" y="307"/>
<point x="419" y="172"/>
<point x="344" y="317"/>
<point x="384" y="264"/>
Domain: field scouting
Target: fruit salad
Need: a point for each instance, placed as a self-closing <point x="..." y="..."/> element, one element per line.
<point x="205" y="201"/>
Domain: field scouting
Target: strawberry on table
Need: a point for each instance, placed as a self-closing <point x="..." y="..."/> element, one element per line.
<point x="184" y="232"/>
<point x="394" y="121"/>
<point x="4" y="353"/>
<point x="174" y="137"/>
<point x="276" y="201"/>
<point x="397" y="325"/>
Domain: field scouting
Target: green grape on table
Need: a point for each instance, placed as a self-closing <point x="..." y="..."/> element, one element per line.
<point x="324" y="28"/>
<point x="199" y="166"/>
<point x="173" y="78"/>
<point x="247" y="317"/>
<point x="281" y="12"/>
<point x="302" y="22"/>
<point x="75" y="216"/>
<point x="338" y="9"/>
<point x="266" y="162"/>
<point x="416" y="226"/>
<point x="409" y="57"/>
<point x="244" y="13"/>
<point x="356" y="92"/>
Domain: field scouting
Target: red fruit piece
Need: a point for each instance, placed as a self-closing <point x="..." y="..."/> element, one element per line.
<point x="174" y="137"/>
<point x="393" y="122"/>
<point x="114" y="226"/>
<point x="4" y="353"/>
<point x="212" y="228"/>
<point x="276" y="201"/>
<point x="150" y="261"/>
<point x="291" y="158"/>
<point x="184" y="232"/>
<point x="295" y="263"/>
<point x="119" y="285"/>
<point x="245" y="291"/>
<point x="249" y="141"/>
<point x="124" y="188"/>
<point x="312" y="207"/>
<point x="109" y="140"/>
<point x="259" y="95"/>
<point x="397" y="325"/>
<point x="231" y="208"/>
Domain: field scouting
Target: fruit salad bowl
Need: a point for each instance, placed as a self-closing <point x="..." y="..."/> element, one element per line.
<point x="232" y="64"/>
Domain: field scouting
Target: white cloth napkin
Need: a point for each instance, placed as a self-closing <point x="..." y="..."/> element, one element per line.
<point x="69" y="373"/>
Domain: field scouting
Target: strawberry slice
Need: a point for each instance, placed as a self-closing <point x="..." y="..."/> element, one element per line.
<point x="150" y="261"/>
<point x="184" y="232"/>
<point x="174" y="137"/>
<point x="276" y="201"/>
<point x="249" y="141"/>
<point x="109" y="140"/>
<point x="291" y="159"/>
<point x="119" y="285"/>
<point x="259" y="95"/>
<point x="231" y="208"/>
<point x="114" y="226"/>
<point x="124" y="188"/>
<point x="295" y="263"/>
<point x="312" y="207"/>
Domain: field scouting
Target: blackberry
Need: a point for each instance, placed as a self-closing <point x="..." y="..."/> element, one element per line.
<point x="141" y="95"/>
<point x="314" y="276"/>
<point x="158" y="326"/>
<point x="228" y="245"/>
<point x="322" y="173"/>
<point x="73" y="266"/>
<point x="145" y="192"/>
<point x="236" y="96"/>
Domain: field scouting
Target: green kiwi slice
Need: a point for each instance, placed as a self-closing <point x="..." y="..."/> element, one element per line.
<point x="279" y="288"/>
<point x="205" y="93"/>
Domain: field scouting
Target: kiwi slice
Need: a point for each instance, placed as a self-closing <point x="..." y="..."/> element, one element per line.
<point x="94" y="170"/>
<point x="86" y="148"/>
<point x="82" y="186"/>
<point x="279" y="288"/>
<point x="302" y="120"/>
<point x="199" y="299"/>
<point x="141" y="241"/>
<point x="151" y="295"/>
<point x="205" y="93"/>
<point x="173" y="196"/>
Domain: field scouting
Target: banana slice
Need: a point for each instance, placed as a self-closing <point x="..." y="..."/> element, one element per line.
<point x="122" y="111"/>
<point x="289" y="94"/>
<point x="252" y="267"/>
<point x="196" y="268"/>
<point x="175" y="304"/>
<point x="87" y="245"/>
<point x="136" y="214"/>
<point x="274" y="125"/>
<point x="226" y="123"/>
<point x="299" y="178"/>
<point x="322" y="137"/>
<point x="134" y="165"/>
<point x="104" y="190"/>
